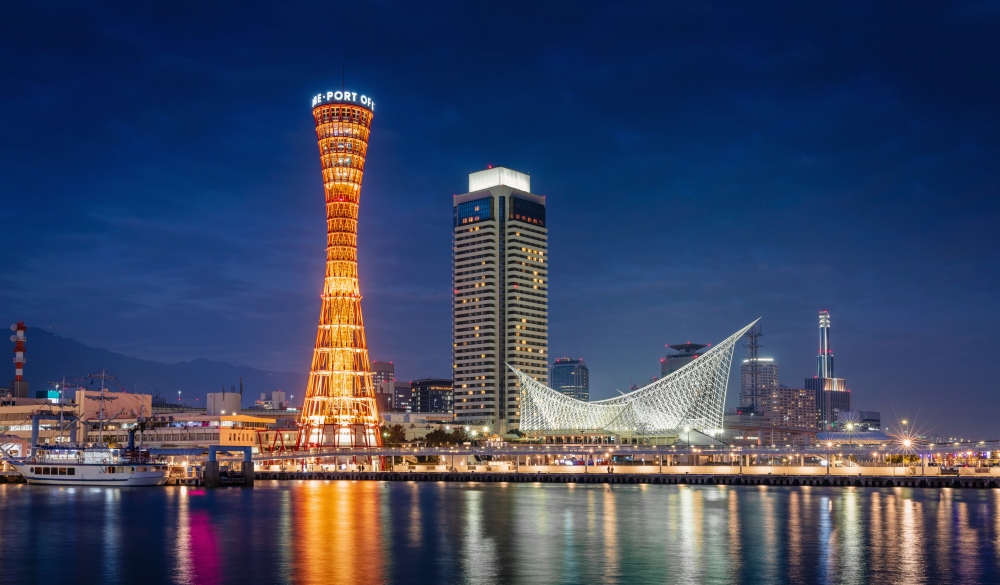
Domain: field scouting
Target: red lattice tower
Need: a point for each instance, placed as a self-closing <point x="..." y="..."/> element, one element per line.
<point x="339" y="408"/>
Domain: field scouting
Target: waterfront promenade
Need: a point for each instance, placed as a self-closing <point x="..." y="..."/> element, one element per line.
<point x="841" y="465"/>
<point x="687" y="478"/>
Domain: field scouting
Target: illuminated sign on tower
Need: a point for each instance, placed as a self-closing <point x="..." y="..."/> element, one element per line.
<point x="339" y="408"/>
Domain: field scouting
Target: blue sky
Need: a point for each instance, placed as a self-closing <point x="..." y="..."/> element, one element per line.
<point x="704" y="164"/>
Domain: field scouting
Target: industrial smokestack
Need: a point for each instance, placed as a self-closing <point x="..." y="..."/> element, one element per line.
<point x="18" y="387"/>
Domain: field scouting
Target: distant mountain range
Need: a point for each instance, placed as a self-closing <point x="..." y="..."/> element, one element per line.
<point x="50" y="357"/>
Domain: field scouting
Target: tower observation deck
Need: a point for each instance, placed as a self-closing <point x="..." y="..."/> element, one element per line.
<point x="339" y="408"/>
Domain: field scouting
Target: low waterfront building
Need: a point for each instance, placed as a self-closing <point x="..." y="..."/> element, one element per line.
<point x="860" y="421"/>
<point x="190" y="430"/>
<point x="417" y="425"/>
<point x="272" y="401"/>
<point x="223" y="403"/>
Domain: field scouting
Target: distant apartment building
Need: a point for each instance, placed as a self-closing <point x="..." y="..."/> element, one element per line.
<point x="401" y="397"/>
<point x="758" y="378"/>
<point x="789" y="408"/>
<point x="384" y="383"/>
<point x="571" y="377"/>
<point x="432" y="395"/>
<point x="383" y="373"/>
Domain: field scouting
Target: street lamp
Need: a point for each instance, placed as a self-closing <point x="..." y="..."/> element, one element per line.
<point x="829" y="445"/>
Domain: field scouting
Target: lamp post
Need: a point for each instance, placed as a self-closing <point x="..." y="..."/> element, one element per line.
<point x="906" y="447"/>
<point x="829" y="445"/>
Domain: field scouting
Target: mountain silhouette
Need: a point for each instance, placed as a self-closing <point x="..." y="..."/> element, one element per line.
<point x="51" y="357"/>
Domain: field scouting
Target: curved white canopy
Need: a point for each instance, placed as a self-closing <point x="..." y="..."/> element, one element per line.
<point x="693" y="396"/>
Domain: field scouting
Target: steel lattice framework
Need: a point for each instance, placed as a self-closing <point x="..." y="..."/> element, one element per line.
<point x="693" y="396"/>
<point x="339" y="408"/>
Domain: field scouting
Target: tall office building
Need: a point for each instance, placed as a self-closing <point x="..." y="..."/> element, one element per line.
<point x="571" y="377"/>
<point x="500" y="279"/>
<point x="832" y="395"/>
<point x="758" y="379"/>
<point x="682" y="355"/>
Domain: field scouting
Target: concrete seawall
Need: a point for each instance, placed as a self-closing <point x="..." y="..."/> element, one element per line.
<point x="644" y="478"/>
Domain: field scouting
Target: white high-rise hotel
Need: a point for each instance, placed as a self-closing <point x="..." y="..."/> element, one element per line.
<point x="501" y="309"/>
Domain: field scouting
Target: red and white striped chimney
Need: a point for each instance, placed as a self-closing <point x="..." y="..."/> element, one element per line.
<point x="18" y="339"/>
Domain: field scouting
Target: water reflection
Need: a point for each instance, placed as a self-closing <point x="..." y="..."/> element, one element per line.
<point x="479" y="555"/>
<point x="795" y="544"/>
<point x="851" y="539"/>
<point x="733" y="520"/>
<point x="610" y="530"/>
<point x="338" y="537"/>
<point x="371" y="533"/>
<point x="184" y="565"/>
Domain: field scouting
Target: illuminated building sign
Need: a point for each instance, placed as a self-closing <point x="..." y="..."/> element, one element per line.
<point x="344" y="97"/>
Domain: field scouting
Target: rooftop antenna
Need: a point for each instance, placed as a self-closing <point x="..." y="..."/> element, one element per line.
<point x="343" y="77"/>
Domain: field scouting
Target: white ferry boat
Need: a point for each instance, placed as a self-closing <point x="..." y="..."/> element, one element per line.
<point x="93" y="466"/>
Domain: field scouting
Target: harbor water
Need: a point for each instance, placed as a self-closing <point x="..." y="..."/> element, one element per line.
<point x="406" y="532"/>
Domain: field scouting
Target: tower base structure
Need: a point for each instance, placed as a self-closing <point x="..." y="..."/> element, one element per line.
<point x="338" y="436"/>
<point x="18" y="388"/>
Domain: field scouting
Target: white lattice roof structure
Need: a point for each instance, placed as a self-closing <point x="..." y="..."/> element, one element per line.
<point x="693" y="396"/>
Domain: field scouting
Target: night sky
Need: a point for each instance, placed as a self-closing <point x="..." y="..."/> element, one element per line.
<point x="704" y="164"/>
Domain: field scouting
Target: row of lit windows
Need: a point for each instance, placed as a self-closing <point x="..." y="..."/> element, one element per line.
<point x="473" y="211"/>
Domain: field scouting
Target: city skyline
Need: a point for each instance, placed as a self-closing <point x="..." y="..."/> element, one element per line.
<point x="190" y="229"/>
